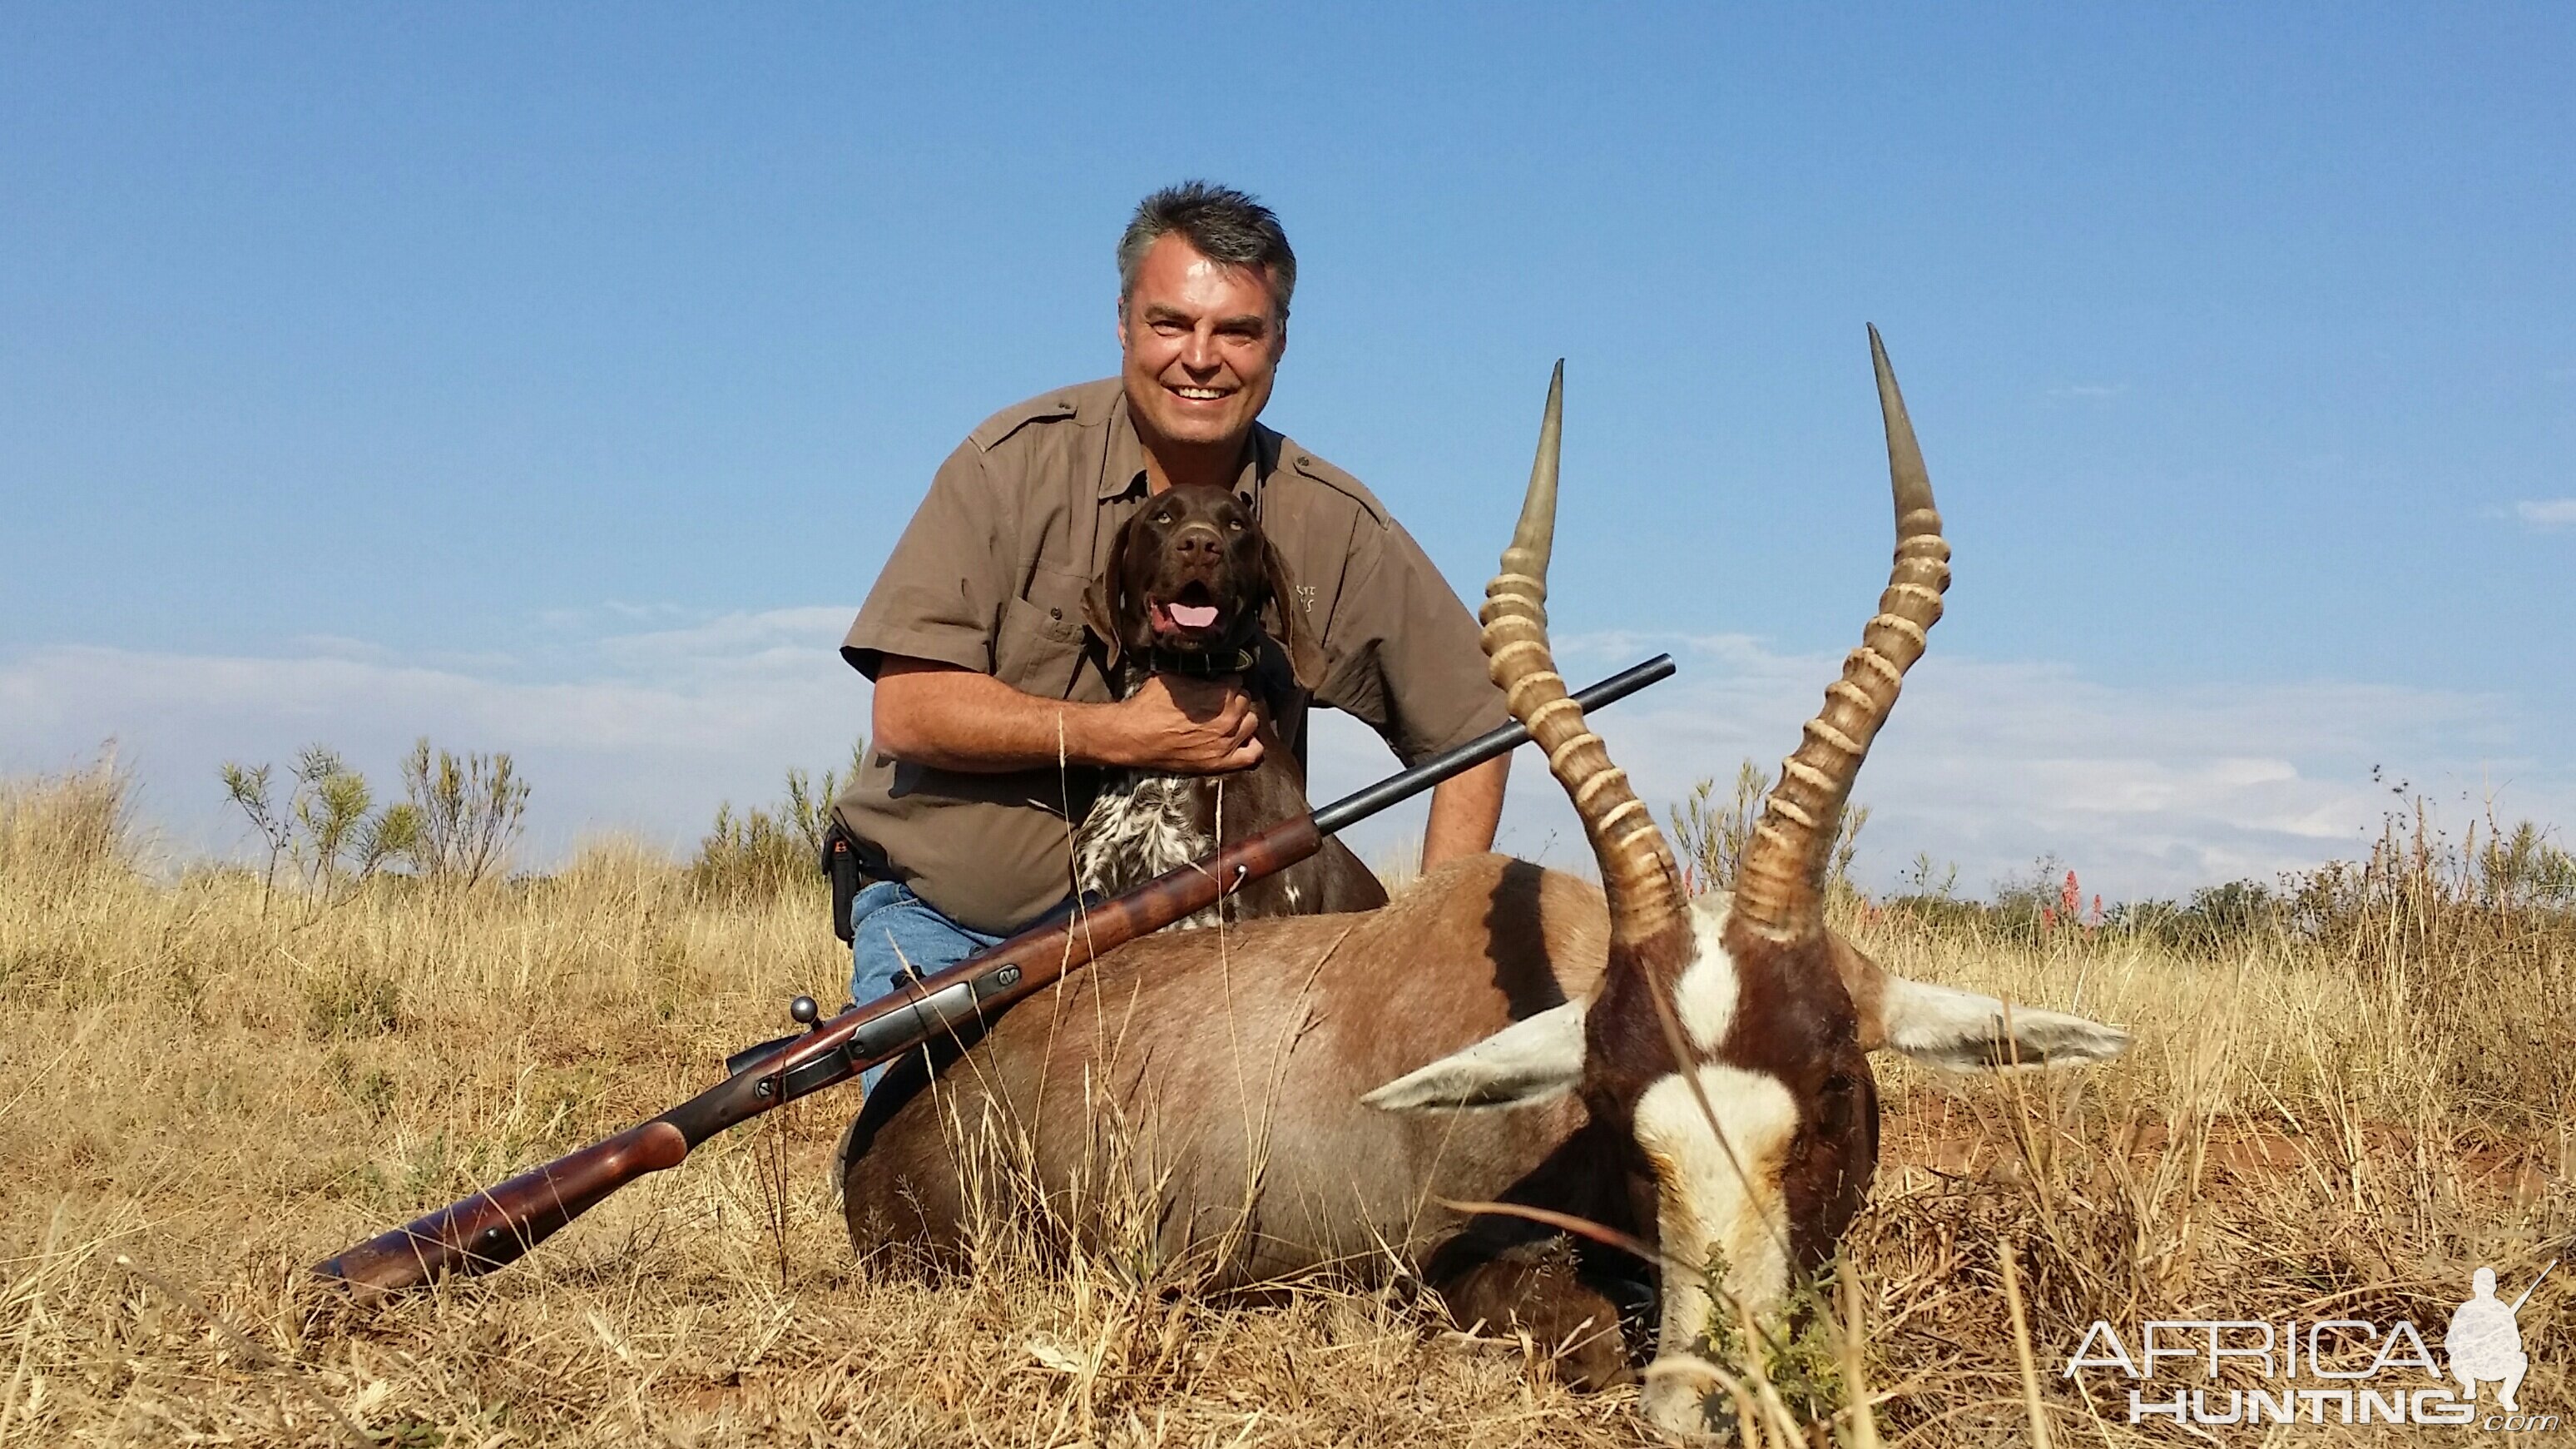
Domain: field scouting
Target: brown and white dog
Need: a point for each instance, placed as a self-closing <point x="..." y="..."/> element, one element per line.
<point x="1184" y="591"/>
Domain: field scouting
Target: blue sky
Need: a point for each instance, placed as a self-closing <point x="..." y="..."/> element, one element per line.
<point x="550" y="383"/>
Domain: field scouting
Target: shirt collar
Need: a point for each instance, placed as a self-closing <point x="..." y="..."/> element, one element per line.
<point x="1122" y="470"/>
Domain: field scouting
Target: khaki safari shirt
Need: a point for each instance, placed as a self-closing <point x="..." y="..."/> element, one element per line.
<point x="990" y="576"/>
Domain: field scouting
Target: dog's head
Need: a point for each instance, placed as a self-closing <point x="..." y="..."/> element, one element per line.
<point x="1185" y="584"/>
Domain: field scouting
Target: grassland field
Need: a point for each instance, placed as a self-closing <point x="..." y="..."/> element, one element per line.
<point x="207" y="1084"/>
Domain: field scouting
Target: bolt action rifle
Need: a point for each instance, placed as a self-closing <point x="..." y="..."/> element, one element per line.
<point x="496" y="1226"/>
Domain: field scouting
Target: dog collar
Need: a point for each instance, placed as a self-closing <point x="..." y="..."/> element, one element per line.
<point x="1199" y="665"/>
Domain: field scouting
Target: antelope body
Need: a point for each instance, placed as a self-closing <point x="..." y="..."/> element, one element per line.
<point x="1299" y="1093"/>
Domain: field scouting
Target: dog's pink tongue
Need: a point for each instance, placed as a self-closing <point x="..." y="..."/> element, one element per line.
<point x="1194" y="616"/>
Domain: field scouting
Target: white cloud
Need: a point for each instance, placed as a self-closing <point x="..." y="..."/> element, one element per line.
<point x="642" y="731"/>
<point x="2145" y="790"/>
<point x="2547" y="512"/>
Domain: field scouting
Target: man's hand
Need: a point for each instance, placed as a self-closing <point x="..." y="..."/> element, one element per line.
<point x="1186" y="726"/>
<point x="955" y="719"/>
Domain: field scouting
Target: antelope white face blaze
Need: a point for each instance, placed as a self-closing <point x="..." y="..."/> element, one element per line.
<point x="1718" y="1205"/>
<point x="1705" y="998"/>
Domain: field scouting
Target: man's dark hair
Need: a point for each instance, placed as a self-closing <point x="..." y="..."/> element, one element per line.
<point x="1223" y="224"/>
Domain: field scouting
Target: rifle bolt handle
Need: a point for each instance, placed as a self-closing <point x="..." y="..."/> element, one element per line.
<point x="804" y="1011"/>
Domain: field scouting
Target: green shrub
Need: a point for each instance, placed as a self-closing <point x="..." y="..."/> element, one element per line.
<point x="763" y="853"/>
<point x="329" y="827"/>
<point x="467" y="811"/>
<point x="1709" y="838"/>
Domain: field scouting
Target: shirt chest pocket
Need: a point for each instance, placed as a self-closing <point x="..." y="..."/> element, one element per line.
<point x="1039" y="645"/>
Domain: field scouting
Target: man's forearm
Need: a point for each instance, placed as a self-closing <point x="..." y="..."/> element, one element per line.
<point x="1465" y="809"/>
<point x="957" y="719"/>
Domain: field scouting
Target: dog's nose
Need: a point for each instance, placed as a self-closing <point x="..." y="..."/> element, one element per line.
<point x="1199" y="544"/>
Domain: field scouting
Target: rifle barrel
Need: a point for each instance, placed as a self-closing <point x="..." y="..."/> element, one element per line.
<point x="497" y="1225"/>
<point x="2534" y="1288"/>
<point x="1362" y="803"/>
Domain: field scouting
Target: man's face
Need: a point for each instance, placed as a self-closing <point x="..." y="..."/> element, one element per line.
<point x="1202" y="344"/>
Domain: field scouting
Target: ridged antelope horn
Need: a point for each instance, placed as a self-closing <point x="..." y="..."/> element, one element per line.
<point x="1636" y="866"/>
<point x="1780" y="883"/>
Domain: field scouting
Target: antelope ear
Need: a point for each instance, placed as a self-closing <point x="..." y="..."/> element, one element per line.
<point x="1528" y="1061"/>
<point x="1961" y="1031"/>
<point x="1297" y="632"/>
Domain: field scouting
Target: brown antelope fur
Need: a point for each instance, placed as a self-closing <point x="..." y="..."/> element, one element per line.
<point x="1693" y="1073"/>
<point x="1199" y="548"/>
<point x="1214" y="1068"/>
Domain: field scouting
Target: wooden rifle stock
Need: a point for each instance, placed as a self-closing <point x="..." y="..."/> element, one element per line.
<point x="496" y="1226"/>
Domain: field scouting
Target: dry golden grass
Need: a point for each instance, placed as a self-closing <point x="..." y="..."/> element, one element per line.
<point x="205" y="1091"/>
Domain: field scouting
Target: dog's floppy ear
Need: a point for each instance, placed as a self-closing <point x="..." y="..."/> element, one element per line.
<point x="1105" y="600"/>
<point x="1296" y="630"/>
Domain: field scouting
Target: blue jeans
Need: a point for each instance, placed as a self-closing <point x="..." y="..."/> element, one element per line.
<point x="895" y="934"/>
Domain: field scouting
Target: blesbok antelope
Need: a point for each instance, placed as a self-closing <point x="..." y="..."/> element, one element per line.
<point x="1692" y="1073"/>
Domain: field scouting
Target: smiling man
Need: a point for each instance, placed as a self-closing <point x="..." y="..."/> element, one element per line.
<point x="994" y="710"/>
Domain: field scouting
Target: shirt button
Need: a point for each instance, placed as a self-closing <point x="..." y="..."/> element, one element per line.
<point x="1305" y="461"/>
<point x="1055" y="613"/>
